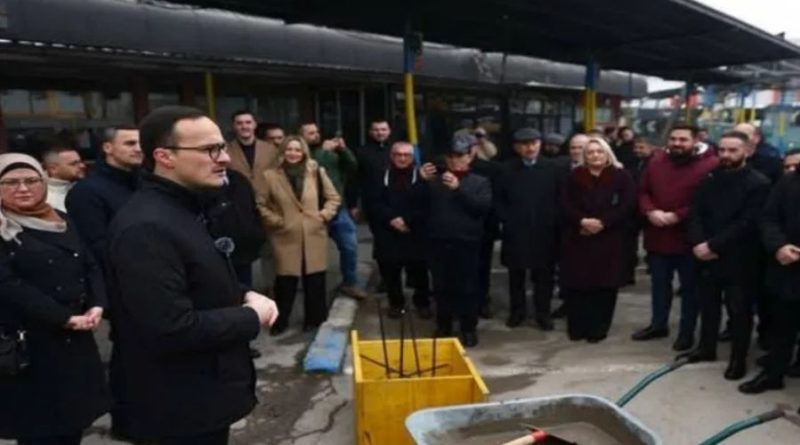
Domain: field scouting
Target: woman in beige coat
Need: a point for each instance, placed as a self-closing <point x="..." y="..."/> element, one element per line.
<point x="296" y="203"/>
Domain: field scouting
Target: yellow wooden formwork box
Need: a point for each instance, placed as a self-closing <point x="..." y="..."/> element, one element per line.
<point x="382" y="404"/>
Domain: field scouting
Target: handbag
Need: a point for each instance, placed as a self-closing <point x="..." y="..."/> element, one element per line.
<point x="14" y="358"/>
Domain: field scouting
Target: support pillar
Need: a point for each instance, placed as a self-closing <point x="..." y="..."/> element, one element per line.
<point x="3" y="133"/>
<point x="141" y="103"/>
<point x="590" y="95"/>
<point x="411" y="46"/>
<point x="211" y="102"/>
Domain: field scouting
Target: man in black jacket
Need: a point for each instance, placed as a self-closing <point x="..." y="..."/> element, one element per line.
<point x="93" y="201"/>
<point x="182" y="320"/>
<point x="527" y="205"/>
<point x="492" y="171"/>
<point x="722" y="227"/>
<point x="765" y="159"/>
<point x="459" y="203"/>
<point x="780" y="231"/>
<point x="398" y="200"/>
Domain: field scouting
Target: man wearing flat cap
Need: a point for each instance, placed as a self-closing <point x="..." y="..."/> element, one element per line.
<point x="459" y="204"/>
<point x="527" y="205"/>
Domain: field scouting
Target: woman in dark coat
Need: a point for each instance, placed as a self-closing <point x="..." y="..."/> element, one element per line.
<point x="52" y="292"/>
<point x="597" y="205"/>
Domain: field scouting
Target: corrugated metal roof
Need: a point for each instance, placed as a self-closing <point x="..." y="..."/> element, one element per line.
<point x="159" y="28"/>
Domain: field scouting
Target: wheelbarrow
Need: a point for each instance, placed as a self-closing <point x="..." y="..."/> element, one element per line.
<point x="569" y="419"/>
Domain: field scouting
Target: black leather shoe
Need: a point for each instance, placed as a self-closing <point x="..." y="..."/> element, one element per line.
<point x="254" y="353"/>
<point x="762" y="382"/>
<point x="650" y="333"/>
<point x="469" y="339"/>
<point x="485" y="312"/>
<point x="697" y="356"/>
<point x="424" y="313"/>
<point x="683" y="343"/>
<point x="737" y="369"/>
<point x="394" y="313"/>
<point x="515" y="320"/>
<point x="545" y="323"/>
<point x="724" y="336"/>
<point x="561" y="312"/>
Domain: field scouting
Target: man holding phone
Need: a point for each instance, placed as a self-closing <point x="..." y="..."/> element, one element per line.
<point x="340" y="164"/>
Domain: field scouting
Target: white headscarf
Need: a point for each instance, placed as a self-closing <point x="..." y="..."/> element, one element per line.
<point x="12" y="224"/>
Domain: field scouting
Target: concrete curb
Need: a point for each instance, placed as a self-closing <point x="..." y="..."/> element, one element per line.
<point x="330" y="344"/>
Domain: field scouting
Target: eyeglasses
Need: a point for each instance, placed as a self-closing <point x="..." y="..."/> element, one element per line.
<point x="214" y="150"/>
<point x="16" y="183"/>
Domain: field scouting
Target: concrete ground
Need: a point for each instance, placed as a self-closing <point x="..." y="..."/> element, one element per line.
<point x="684" y="407"/>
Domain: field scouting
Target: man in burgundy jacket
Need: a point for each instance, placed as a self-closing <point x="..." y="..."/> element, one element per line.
<point x="665" y="192"/>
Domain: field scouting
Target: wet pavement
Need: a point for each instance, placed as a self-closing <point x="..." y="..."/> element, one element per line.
<point x="684" y="407"/>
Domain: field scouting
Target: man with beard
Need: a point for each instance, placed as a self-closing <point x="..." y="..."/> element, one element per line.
<point x="667" y="186"/>
<point x="373" y="159"/>
<point x="722" y="228"/>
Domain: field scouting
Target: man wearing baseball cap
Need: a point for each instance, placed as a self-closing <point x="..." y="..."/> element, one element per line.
<point x="527" y="205"/>
<point x="459" y="204"/>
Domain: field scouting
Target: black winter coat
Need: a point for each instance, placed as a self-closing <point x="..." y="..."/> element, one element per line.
<point x="44" y="281"/>
<point x="724" y="212"/>
<point x="492" y="171"/>
<point x="780" y="225"/>
<point x="528" y="207"/>
<point x="181" y="331"/>
<point x="232" y="212"/>
<point x="459" y="214"/>
<point x="93" y="202"/>
<point x="388" y="201"/>
<point x="373" y="160"/>
<point x="769" y="166"/>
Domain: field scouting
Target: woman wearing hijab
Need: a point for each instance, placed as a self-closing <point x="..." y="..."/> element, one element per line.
<point x="597" y="206"/>
<point x="52" y="383"/>
<point x="297" y="202"/>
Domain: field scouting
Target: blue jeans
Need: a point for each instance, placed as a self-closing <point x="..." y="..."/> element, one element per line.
<point x="662" y="270"/>
<point x="342" y="231"/>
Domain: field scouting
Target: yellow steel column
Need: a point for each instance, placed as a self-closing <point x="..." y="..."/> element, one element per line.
<point x="211" y="103"/>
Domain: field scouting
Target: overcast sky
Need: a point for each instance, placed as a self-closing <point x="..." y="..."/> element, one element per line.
<point x="773" y="16"/>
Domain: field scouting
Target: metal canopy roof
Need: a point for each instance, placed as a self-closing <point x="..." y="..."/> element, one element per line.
<point x="645" y="36"/>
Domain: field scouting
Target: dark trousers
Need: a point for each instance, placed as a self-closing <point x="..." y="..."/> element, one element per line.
<point x="314" y="301"/>
<point x="71" y="439"/>
<point x="662" y="270"/>
<point x="219" y="437"/>
<point x="589" y="312"/>
<point x="392" y="276"/>
<point x="543" y="281"/>
<point x="712" y="291"/>
<point x="485" y="269"/>
<point x="786" y="326"/>
<point x="454" y="264"/>
<point x="763" y="300"/>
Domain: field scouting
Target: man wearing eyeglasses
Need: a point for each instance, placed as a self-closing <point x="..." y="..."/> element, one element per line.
<point x="182" y="320"/>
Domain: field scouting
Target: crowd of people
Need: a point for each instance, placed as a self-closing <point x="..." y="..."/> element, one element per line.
<point x="161" y="238"/>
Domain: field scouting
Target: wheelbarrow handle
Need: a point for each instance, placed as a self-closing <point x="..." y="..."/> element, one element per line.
<point x="530" y="438"/>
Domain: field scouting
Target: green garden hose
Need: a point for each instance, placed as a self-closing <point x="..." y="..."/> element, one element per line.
<point x="743" y="425"/>
<point x="647" y="380"/>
